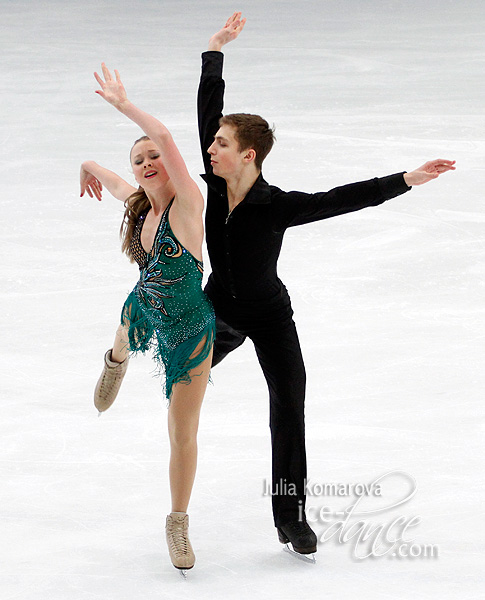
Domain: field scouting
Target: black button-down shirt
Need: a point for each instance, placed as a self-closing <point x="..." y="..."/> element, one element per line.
<point x="244" y="245"/>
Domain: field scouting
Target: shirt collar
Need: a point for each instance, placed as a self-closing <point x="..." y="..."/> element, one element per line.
<point x="260" y="193"/>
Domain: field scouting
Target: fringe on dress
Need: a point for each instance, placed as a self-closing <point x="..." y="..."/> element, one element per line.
<point x="174" y="360"/>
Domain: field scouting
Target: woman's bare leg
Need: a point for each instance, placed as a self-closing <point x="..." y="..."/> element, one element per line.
<point x="183" y="423"/>
<point x="120" y="346"/>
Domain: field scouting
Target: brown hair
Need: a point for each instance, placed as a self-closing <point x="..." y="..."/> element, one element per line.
<point x="135" y="205"/>
<point x="252" y="131"/>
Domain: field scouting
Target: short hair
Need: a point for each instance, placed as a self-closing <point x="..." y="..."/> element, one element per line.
<point x="251" y="131"/>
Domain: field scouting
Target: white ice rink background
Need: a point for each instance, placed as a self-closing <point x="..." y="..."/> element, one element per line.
<point x="389" y="301"/>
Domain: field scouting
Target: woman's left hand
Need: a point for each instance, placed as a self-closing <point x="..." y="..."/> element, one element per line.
<point x="112" y="90"/>
<point x="430" y="170"/>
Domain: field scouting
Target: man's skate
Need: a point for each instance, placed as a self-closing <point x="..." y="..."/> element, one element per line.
<point x="302" y="538"/>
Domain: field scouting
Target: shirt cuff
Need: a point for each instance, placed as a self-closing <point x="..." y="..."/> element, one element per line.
<point x="212" y="63"/>
<point x="393" y="185"/>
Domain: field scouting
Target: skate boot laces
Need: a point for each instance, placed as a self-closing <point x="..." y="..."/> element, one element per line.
<point x="179" y="546"/>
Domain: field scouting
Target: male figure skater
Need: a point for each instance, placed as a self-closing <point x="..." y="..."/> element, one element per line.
<point x="245" y="222"/>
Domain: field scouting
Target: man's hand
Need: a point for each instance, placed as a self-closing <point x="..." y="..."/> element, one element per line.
<point x="233" y="27"/>
<point x="430" y="170"/>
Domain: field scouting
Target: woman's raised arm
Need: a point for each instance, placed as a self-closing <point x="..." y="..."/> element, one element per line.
<point x="188" y="193"/>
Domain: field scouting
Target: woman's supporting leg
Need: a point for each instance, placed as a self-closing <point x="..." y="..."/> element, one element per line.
<point x="183" y="424"/>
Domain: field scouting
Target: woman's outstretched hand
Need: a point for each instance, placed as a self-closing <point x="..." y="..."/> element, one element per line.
<point x="233" y="27"/>
<point x="90" y="184"/>
<point x="430" y="170"/>
<point x="112" y="90"/>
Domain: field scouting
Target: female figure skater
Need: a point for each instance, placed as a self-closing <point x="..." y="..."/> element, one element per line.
<point x="167" y="311"/>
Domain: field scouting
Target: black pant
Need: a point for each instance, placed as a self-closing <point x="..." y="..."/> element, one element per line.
<point x="275" y="339"/>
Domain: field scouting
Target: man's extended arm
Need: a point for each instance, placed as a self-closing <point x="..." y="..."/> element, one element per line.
<point x="210" y="97"/>
<point x="298" y="208"/>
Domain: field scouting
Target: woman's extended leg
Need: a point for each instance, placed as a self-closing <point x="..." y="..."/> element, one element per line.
<point x="121" y="347"/>
<point x="115" y="365"/>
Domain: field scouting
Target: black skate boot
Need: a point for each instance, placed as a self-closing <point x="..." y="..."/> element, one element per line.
<point x="301" y="536"/>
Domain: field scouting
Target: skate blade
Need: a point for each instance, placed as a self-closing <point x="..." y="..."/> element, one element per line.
<point x="310" y="558"/>
<point x="183" y="571"/>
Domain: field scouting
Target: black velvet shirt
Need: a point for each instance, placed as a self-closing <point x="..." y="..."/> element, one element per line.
<point x="244" y="246"/>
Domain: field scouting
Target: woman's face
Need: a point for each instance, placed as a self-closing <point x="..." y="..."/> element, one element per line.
<point x="147" y="165"/>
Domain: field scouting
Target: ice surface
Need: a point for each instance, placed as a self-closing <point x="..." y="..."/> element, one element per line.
<point x="389" y="301"/>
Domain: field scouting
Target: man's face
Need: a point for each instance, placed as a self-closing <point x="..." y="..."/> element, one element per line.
<point x="226" y="159"/>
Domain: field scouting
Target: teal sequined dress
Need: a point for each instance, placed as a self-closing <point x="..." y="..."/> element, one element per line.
<point x="167" y="311"/>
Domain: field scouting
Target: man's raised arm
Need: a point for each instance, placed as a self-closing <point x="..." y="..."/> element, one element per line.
<point x="210" y="97"/>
